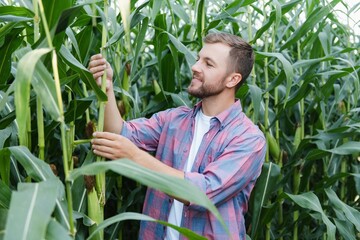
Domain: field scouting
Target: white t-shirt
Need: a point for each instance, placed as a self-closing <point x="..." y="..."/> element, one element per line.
<point x="202" y="126"/>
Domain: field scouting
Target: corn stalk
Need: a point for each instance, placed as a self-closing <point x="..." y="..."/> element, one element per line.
<point x="63" y="126"/>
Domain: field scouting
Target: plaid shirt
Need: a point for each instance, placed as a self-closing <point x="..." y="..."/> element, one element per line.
<point x="226" y="167"/>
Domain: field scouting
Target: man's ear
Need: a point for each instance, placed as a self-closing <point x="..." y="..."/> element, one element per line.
<point x="234" y="80"/>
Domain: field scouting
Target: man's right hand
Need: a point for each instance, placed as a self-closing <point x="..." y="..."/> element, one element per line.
<point x="97" y="67"/>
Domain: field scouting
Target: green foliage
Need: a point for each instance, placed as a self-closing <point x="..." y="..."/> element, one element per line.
<point x="303" y="93"/>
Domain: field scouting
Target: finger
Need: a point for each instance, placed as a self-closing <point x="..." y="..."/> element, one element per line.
<point x="97" y="62"/>
<point x="96" y="56"/>
<point x="97" y="66"/>
<point x="98" y="142"/>
<point x="98" y="75"/>
<point x="103" y="148"/>
<point x="107" y="135"/>
<point x="104" y="154"/>
<point x="105" y="151"/>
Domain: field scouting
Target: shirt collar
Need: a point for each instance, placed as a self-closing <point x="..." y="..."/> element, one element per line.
<point x="224" y="117"/>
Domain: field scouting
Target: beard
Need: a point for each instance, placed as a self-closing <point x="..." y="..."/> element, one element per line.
<point x="205" y="89"/>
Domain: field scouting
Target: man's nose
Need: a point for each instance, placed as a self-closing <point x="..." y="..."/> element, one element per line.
<point x="196" y="66"/>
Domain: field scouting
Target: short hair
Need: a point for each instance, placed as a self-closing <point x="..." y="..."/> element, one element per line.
<point x="241" y="56"/>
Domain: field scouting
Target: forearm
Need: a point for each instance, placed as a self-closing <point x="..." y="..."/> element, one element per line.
<point x="113" y="120"/>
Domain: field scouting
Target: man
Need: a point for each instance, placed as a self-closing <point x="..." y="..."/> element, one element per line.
<point x="213" y="145"/>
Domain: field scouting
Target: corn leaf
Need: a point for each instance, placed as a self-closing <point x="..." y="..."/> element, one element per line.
<point x="41" y="171"/>
<point x="346" y="230"/>
<point x="24" y="76"/>
<point x="315" y="17"/>
<point x="5" y="165"/>
<point x="351" y="214"/>
<point x="55" y="231"/>
<point x="85" y="75"/>
<point x="3" y="217"/>
<point x="273" y="17"/>
<point x="190" y="57"/>
<point x="5" y="195"/>
<point x="346" y="149"/>
<point x="310" y="201"/>
<point x="44" y="86"/>
<point x="265" y="185"/>
<point x="28" y="219"/>
<point x="15" y="14"/>
<point x="54" y="9"/>
<point x="165" y="183"/>
<point x="288" y="69"/>
<point x="256" y="97"/>
<point x="11" y="43"/>
<point x="141" y="217"/>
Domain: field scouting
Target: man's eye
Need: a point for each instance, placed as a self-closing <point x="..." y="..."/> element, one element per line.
<point x="209" y="64"/>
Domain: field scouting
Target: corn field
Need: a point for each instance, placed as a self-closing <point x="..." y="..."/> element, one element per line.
<point x="303" y="93"/>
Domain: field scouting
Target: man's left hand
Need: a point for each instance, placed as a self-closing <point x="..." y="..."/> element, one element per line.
<point x="113" y="146"/>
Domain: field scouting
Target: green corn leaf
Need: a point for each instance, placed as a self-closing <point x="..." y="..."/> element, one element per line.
<point x="44" y="86"/>
<point x="351" y="214"/>
<point x="5" y="165"/>
<point x="231" y="8"/>
<point x="28" y="219"/>
<point x="141" y="217"/>
<point x="139" y="45"/>
<point x="55" y="231"/>
<point x="24" y="75"/>
<point x="3" y="217"/>
<point x="179" y="99"/>
<point x="4" y="135"/>
<point x="345" y="229"/>
<point x="256" y="98"/>
<point x="54" y="9"/>
<point x="15" y="14"/>
<point x="289" y="5"/>
<point x="35" y="168"/>
<point x="310" y="201"/>
<point x="265" y="185"/>
<point x="41" y="171"/>
<point x="346" y="149"/>
<point x="70" y="34"/>
<point x="156" y="5"/>
<point x="309" y="62"/>
<point x="180" y="12"/>
<point x="66" y="15"/>
<point x="85" y="75"/>
<point x="5" y="195"/>
<point x="11" y="42"/>
<point x="190" y="57"/>
<point x="315" y="17"/>
<point x="165" y="183"/>
<point x="288" y="69"/>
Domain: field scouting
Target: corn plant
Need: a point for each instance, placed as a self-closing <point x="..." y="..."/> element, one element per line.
<point x="303" y="93"/>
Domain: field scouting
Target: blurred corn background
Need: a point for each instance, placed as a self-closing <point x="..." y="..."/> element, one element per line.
<point x="303" y="94"/>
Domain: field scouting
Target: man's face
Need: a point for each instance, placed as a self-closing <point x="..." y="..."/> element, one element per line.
<point x="210" y="71"/>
